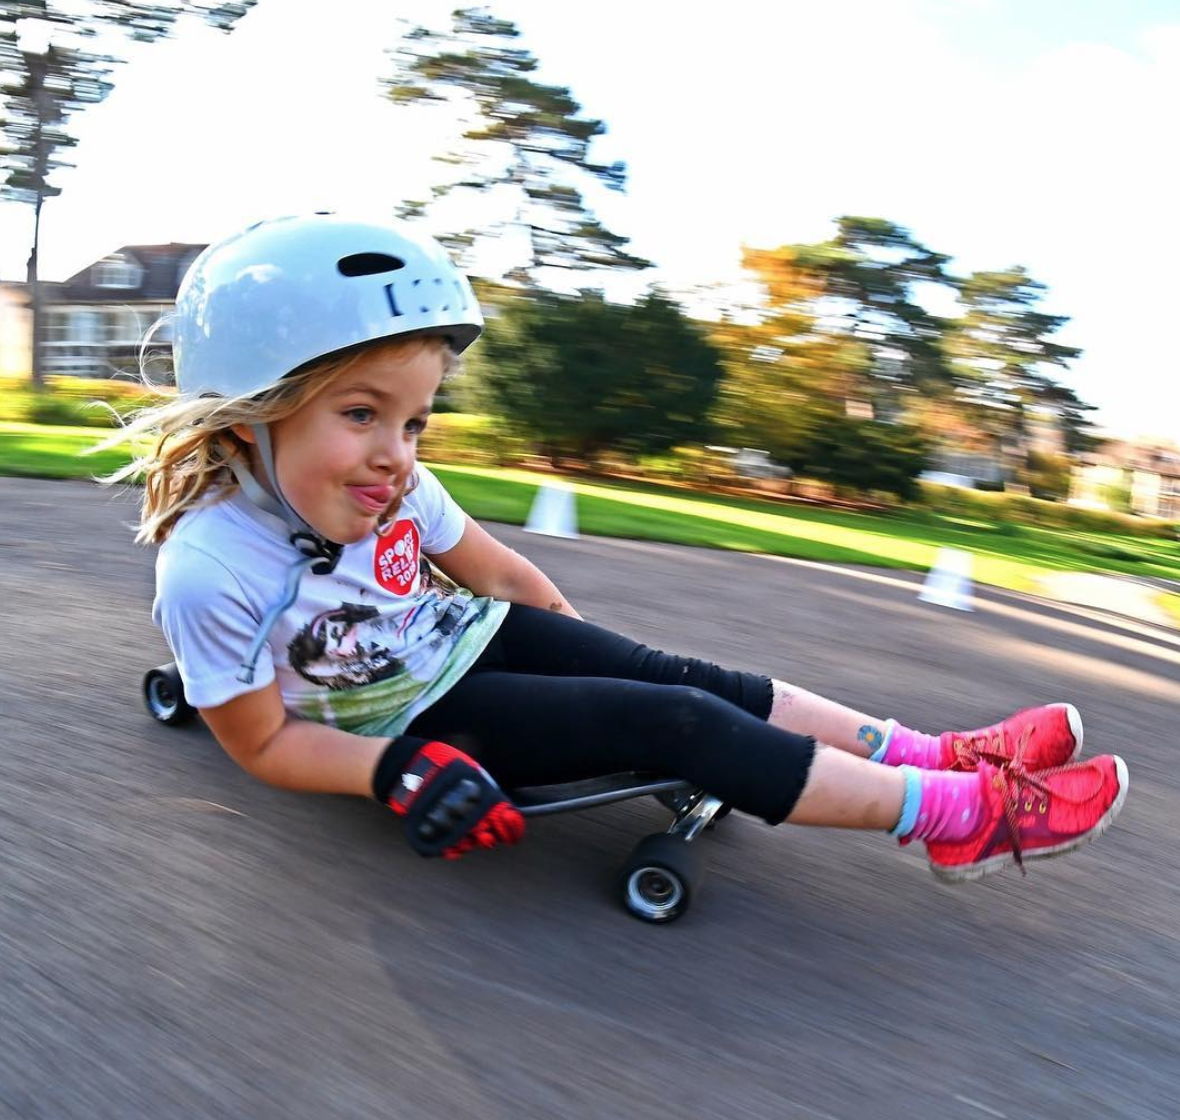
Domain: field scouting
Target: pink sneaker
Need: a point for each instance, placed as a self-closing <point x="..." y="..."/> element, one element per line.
<point x="1034" y="815"/>
<point x="1033" y="739"/>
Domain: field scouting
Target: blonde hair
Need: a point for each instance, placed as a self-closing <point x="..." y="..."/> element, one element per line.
<point x="193" y="442"/>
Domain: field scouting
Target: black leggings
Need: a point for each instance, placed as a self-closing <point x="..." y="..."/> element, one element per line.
<point x="553" y="699"/>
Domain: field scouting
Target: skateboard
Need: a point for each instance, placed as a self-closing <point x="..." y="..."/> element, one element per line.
<point x="659" y="879"/>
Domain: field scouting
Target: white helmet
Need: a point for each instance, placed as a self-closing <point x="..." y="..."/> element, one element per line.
<point x="284" y="292"/>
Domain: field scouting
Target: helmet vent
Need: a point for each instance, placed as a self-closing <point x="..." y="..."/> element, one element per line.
<point x="369" y="264"/>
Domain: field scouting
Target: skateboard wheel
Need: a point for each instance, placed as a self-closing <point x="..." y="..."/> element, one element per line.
<point x="163" y="696"/>
<point x="660" y="878"/>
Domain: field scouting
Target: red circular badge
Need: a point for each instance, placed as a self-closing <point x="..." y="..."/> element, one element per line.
<point x="395" y="563"/>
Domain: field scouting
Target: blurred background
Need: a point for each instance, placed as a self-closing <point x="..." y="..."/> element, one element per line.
<point x="906" y="258"/>
<point x="866" y="282"/>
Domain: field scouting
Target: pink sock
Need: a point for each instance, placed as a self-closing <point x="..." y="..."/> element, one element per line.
<point x="939" y="805"/>
<point x="904" y="746"/>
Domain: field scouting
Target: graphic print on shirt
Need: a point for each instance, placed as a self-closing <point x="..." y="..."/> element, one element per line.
<point x="352" y="644"/>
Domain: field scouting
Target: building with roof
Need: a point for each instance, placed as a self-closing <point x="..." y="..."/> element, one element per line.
<point x="96" y="321"/>
<point x="1140" y="477"/>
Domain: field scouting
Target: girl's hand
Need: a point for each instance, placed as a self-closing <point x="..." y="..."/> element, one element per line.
<point x="449" y="802"/>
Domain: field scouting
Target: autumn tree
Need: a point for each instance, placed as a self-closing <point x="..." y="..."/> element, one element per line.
<point x="783" y="377"/>
<point x="824" y="369"/>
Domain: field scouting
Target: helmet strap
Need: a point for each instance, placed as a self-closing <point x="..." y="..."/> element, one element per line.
<point x="316" y="553"/>
<point x="307" y="541"/>
<point x="250" y="486"/>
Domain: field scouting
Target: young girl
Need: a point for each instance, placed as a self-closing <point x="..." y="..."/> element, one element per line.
<point x="344" y="627"/>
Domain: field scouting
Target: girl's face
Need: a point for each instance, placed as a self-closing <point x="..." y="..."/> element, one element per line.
<point x="346" y="454"/>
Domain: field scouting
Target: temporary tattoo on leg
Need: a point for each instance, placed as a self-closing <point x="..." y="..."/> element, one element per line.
<point x="870" y="737"/>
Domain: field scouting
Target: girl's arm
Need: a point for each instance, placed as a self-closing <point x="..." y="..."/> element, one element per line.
<point x="257" y="734"/>
<point x="440" y="813"/>
<point x="482" y="564"/>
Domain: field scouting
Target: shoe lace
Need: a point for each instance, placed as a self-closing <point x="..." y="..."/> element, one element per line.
<point x="969" y="752"/>
<point x="1014" y="781"/>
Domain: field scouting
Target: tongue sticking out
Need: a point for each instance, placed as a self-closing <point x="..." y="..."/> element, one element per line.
<point x="380" y="494"/>
<point x="377" y="497"/>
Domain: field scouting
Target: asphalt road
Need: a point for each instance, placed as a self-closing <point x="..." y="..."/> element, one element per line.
<point x="177" y="940"/>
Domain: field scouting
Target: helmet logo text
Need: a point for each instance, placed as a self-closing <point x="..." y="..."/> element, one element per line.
<point x="432" y="295"/>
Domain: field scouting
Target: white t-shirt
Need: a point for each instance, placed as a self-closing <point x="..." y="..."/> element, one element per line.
<point x="365" y="648"/>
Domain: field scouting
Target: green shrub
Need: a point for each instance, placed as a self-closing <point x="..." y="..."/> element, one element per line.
<point x="867" y="455"/>
<point x="1112" y="550"/>
<point x="998" y="508"/>
<point x="691" y="464"/>
<point x="72" y="401"/>
<point x="463" y="437"/>
<point x="1047" y="476"/>
<point x="49" y="408"/>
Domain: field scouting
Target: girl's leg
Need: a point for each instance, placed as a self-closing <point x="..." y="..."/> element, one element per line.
<point x="541" y="642"/>
<point x="1039" y="738"/>
<point x="548" y="644"/>
<point x="531" y="730"/>
<point x="536" y="730"/>
<point x="847" y="792"/>
<point x="806" y="713"/>
<point x="972" y="823"/>
<point x="532" y="640"/>
<point x="544" y="643"/>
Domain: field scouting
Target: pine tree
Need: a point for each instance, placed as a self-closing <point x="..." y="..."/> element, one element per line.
<point x="526" y="142"/>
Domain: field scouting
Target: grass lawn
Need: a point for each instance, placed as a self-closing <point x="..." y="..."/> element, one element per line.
<point x="1006" y="554"/>
<point x="51" y="452"/>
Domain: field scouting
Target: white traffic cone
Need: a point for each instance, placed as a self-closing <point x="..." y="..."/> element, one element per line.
<point x="949" y="581"/>
<point x="553" y="512"/>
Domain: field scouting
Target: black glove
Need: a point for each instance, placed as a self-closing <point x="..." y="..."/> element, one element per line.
<point x="450" y="804"/>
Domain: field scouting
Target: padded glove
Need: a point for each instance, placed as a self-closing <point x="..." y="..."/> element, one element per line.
<point x="449" y="803"/>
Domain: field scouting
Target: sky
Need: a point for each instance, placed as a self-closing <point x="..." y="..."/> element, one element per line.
<point x="1000" y="132"/>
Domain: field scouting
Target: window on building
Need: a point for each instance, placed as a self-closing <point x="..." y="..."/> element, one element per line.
<point x="117" y="272"/>
<point x="57" y="325"/>
<point x="121" y="325"/>
<point x="85" y="325"/>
